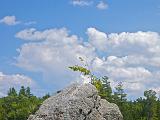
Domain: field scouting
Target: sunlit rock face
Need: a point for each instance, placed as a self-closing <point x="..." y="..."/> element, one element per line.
<point x="77" y="102"/>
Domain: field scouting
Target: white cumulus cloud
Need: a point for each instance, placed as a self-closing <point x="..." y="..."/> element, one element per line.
<point x="9" y="20"/>
<point x="51" y="52"/>
<point x="125" y="42"/>
<point x="102" y="5"/>
<point x="81" y="2"/>
<point x="130" y="57"/>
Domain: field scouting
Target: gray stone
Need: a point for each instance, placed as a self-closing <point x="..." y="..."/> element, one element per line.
<point x="77" y="102"/>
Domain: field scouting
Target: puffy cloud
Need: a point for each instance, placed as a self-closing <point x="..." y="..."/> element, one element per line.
<point x="81" y="2"/>
<point x="133" y="48"/>
<point x="127" y="43"/>
<point x="52" y="53"/>
<point x="132" y="58"/>
<point x="111" y="67"/>
<point x="102" y="5"/>
<point x="34" y="35"/>
<point x="97" y="38"/>
<point x="9" y="20"/>
<point x="15" y="80"/>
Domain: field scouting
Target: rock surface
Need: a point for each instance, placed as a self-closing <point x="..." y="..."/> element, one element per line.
<point x="77" y="102"/>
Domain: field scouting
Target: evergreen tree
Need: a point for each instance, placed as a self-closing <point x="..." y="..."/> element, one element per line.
<point x="46" y="96"/>
<point x="151" y="105"/>
<point x="119" y="98"/>
<point x="106" y="90"/>
<point x="22" y="91"/>
<point x="158" y="109"/>
<point x="12" y="92"/>
<point x="119" y="94"/>
<point x="28" y="92"/>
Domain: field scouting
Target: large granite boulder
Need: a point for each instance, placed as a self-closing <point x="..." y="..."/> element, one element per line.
<point x="77" y="102"/>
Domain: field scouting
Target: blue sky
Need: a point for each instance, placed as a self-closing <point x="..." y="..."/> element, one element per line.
<point x="92" y="24"/>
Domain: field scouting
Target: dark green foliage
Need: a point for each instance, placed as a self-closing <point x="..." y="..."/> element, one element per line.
<point x="28" y="92"/>
<point x="22" y="91"/>
<point x="104" y="88"/>
<point x="119" y="96"/>
<point x="18" y="106"/>
<point x="46" y="96"/>
<point x="12" y="92"/>
<point x="151" y="105"/>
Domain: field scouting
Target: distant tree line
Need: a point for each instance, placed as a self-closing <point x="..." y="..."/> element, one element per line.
<point x="19" y="105"/>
